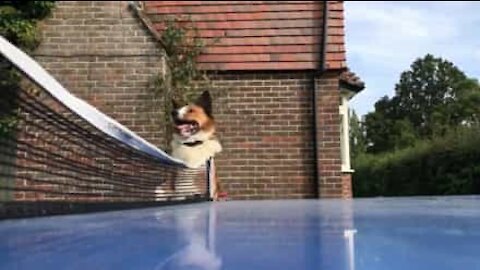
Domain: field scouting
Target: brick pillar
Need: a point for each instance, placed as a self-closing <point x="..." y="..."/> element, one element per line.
<point x="347" y="185"/>
<point x="331" y="183"/>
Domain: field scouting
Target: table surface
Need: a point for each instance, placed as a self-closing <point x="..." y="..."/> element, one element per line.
<point x="379" y="233"/>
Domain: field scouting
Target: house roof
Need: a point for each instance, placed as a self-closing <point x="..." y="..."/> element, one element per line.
<point x="260" y="35"/>
<point x="351" y="81"/>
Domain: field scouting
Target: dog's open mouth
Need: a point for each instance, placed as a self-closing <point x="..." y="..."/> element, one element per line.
<point x="186" y="128"/>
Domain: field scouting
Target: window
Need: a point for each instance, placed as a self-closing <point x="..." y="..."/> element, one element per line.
<point x="344" y="134"/>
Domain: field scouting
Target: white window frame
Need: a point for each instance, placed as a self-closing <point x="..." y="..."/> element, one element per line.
<point x="345" y="131"/>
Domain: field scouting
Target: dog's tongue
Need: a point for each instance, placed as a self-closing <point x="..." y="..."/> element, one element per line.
<point x="185" y="129"/>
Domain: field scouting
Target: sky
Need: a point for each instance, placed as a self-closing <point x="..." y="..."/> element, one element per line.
<point x="384" y="38"/>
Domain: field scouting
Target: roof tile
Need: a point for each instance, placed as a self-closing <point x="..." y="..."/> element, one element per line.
<point x="262" y="35"/>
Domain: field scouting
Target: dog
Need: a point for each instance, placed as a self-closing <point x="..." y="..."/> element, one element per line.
<point x="194" y="140"/>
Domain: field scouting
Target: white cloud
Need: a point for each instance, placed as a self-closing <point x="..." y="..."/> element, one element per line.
<point x="392" y="20"/>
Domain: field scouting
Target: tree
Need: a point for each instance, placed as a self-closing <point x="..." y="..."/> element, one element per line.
<point x="379" y="127"/>
<point x="427" y="94"/>
<point x="431" y="98"/>
<point x="358" y="144"/>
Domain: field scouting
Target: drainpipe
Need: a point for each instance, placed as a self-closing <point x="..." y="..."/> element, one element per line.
<point x="325" y="36"/>
<point x="319" y="72"/>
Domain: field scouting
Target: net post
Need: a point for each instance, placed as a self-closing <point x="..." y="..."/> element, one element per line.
<point x="210" y="178"/>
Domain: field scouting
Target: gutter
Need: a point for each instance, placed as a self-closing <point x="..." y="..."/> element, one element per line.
<point x="137" y="8"/>
<point x="321" y="69"/>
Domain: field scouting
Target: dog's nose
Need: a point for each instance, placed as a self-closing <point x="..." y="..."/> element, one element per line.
<point x="174" y="113"/>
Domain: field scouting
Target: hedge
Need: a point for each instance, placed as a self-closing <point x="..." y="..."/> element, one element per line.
<point x="444" y="166"/>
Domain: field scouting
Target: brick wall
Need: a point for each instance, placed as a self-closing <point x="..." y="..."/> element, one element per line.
<point x="330" y="181"/>
<point x="265" y="125"/>
<point x="102" y="53"/>
<point x="265" y="122"/>
<point x="347" y="185"/>
<point x="268" y="129"/>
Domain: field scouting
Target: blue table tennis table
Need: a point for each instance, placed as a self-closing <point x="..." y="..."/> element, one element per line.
<point x="380" y="233"/>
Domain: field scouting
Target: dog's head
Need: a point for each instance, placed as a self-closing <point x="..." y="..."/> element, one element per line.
<point x="194" y="118"/>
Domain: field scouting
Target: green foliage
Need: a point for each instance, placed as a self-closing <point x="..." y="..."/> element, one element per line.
<point x="182" y="47"/>
<point x="424" y="140"/>
<point x="442" y="166"/>
<point x="18" y="21"/>
<point x="431" y="98"/>
<point x="7" y="125"/>
<point x="18" y="24"/>
<point x="9" y="80"/>
<point x="358" y="144"/>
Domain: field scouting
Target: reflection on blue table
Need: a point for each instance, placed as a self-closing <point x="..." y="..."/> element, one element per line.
<point x="404" y="233"/>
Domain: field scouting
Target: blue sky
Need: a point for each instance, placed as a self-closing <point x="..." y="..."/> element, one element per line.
<point x="384" y="38"/>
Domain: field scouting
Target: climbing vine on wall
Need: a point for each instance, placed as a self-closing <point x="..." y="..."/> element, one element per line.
<point x="182" y="47"/>
<point x="18" y="21"/>
<point x="18" y="24"/>
<point x="182" y="76"/>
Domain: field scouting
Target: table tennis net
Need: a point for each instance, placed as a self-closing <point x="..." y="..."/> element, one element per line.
<point x="54" y="161"/>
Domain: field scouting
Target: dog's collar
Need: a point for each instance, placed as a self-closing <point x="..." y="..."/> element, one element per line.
<point x="192" y="144"/>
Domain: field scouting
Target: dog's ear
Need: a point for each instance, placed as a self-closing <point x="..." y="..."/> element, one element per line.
<point x="205" y="101"/>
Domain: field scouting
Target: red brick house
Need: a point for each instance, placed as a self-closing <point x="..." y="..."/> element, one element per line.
<point x="280" y="65"/>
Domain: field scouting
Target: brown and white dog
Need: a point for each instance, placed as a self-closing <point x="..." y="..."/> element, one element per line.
<point x="194" y="139"/>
